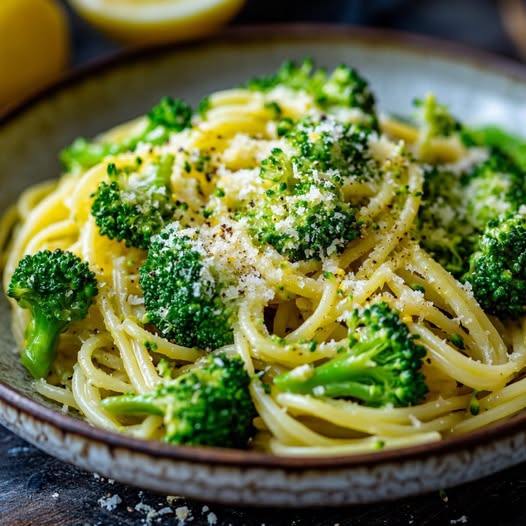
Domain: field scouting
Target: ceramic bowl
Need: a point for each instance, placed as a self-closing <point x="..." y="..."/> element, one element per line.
<point x="478" y="87"/>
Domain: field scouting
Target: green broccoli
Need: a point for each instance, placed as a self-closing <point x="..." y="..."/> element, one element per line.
<point x="495" y="138"/>
<point x="57" y="288"/>
<point x="442" y="227"/>
<point x="471" y="223"/>
<point x="182" y="292"/>
<point x="381" y="365"/>
<point x="136" y="203"/>
<point x="456" y="207"/>
<point x="331" y="147"/>
<point x="303" y="214"/>
<point x="209" y="405"/>
<point x="304" y="226"/>
<point x="435" y="119"/>
<point x="493" y="188"/>
<point x="343" y="88"/>
<point x="497" y="270"/>
<point x="170" y="115"/>
<point x="82" y="154"/>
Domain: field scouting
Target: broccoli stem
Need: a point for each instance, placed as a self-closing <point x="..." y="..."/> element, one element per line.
<point x="133" y="405"/>
<point x="368" y="393"/>
<point x="208" y="405"/>
<point x="164" y="170"/>
<point x="495" y="137"/>
<point x="352" y="374"/>
<point x="41" y="340"/>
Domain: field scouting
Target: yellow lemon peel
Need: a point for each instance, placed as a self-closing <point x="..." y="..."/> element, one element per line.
<point x="34" y="47"/>
<point x="152" y="21"/>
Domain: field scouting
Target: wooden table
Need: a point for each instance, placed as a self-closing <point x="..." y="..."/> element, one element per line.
<point x="36" y="489"/>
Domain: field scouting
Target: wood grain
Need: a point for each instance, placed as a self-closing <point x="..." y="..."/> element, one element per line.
<point x="38" y="490"/>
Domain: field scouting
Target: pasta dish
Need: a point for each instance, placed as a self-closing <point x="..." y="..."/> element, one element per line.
<point x="281" y="268"/>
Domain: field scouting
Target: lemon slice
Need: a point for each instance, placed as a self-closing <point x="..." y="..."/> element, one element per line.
<point x="149" y="21"/>
<point x="34" y="46"/>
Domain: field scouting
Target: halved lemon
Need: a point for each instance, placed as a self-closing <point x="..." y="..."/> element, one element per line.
<point x="34" y="46"/>
<point x="149" y="21"/>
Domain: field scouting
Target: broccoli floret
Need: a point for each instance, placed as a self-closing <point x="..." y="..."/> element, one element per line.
<point x="302" y="229"/>
<point x="303" y="214"/>
<point x="442" y="227"/>
<point x="170" y="115"/>
<point x="381" y="365"/>
<point x="343" y="88"/>
<point x="57" y="288"/>
<point x="136" y="203"/>
<point x="210" y="405"/>
<point x="497" y="269"/>
<point x="332" y="147"/>
<point x="497" y="139"/>
<point x="460" y="223"/>
<point x="182" y="292"/>
<point x="493" y="188"/>
<point x="435" y="124"/>
<point x="83" y="154"/>
<point x="295" y="76"/>
<point x="456" y="208"/>
<point x="435" y="119"/>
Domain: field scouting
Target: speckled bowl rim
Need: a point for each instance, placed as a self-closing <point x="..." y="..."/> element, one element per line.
<point x="416" y="44"/>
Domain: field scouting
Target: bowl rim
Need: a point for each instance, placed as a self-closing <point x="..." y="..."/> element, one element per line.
<point x="378" y="37"/>
<point x="294" y="32"/>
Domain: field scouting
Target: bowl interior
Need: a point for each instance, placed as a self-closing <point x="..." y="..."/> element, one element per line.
<point x="477" y="89"/>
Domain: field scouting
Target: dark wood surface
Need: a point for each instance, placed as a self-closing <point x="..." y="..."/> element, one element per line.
<point x="36" y="489"/>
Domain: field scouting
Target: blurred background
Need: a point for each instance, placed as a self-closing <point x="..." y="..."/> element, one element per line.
<point x="477" y="23"/>
<point x="40" y="39"/>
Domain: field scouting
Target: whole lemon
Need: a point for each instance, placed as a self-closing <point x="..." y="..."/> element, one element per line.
<point x="34" y="46"/>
